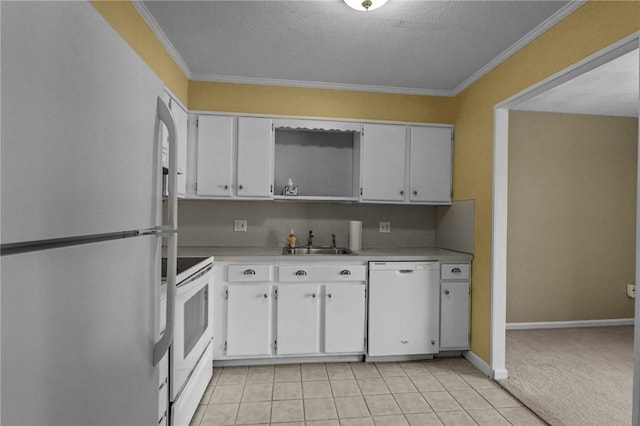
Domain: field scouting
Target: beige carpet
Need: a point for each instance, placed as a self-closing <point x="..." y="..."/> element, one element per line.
<point x="573" y="376"/>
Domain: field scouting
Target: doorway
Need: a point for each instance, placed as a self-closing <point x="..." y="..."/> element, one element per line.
<point x="501" y="159"/>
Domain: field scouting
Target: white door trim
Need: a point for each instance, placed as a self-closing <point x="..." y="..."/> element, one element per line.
<point x="500" y="186"/>
<point x="635" y="401"/>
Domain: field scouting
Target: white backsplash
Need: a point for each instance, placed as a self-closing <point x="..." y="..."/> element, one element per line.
<point x="210" y="223"/>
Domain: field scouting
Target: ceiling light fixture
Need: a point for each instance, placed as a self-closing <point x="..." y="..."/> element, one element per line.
<point x="365" y="5"/>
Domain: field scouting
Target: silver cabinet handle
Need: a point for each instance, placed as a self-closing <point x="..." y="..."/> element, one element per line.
<point x="313" y="295"/>
<point x="415" y="192"/>
<point x="401" y="192"/>
<point x="301" y="273"/>
<point x="265" y="296"/>
<point x="226" y="187"/>
<point x="345" y="272"/>
<point x="239" y="186"/>
<point x="329" y="295"/>
<point x="446" y="292"/>
<point x="404" y="342"/>
<point x="433" y="342"/>
<point x="456" y="270"/>
<point x="249" y="272"/>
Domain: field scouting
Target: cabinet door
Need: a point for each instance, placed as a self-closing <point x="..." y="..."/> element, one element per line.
<point x="383" y="162"/>
<point x="298" y="319"/>
<point x="454" y="315"/>
<point x="215" y="155"/>
<point x="344" y="319"/>
<point x="249" y="320"/>
<point x="180" y="115"/>
<point x="430" y="175"/>
<point x="255" y="157"/>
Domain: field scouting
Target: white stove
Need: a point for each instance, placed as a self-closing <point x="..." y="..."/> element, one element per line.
<point x="190" y="354"/>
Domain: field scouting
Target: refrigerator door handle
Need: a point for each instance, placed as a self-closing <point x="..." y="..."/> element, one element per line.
<point x="162" y="346"/>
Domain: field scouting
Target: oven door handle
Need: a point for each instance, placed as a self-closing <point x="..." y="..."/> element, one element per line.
<point x="196" y="276"/>
<point x="161" y="347"/>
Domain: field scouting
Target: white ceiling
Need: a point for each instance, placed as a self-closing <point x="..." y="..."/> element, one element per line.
<point x="422" y="47"/>
<point x="610" y="89"/>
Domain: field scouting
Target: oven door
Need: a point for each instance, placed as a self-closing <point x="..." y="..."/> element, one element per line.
<point x="193" y="329"/>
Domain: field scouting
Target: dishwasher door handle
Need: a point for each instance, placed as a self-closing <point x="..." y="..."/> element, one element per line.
<point x="405" y="271"/>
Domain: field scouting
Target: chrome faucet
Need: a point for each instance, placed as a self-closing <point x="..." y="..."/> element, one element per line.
<point x="333" y="240"/>
<point x="310" y="239"/>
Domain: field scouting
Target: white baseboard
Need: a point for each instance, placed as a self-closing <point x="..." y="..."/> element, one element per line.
<point x="478" y="363"/>
<point x="569" y="324"/>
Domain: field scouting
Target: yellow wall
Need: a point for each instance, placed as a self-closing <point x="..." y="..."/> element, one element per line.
<point x="572" y="216"/>
<point x="124" y="18"/>
<point x="592" y="27"/>
<point x="278" y="100"/>
<point x="589" y="29"/>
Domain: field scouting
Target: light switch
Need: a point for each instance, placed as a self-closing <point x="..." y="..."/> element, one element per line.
<point x="385" y="227"/>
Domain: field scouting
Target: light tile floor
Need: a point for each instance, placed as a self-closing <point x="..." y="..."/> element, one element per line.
<point x="447" y="391"/>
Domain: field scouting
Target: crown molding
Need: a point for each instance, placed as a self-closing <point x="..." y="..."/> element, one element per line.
<point x="560" y="14"/>
<point x="161" y="36"/>
<point x="320" y="85"/>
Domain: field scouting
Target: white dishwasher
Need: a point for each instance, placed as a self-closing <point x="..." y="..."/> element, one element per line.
<point x="404" y="308"/>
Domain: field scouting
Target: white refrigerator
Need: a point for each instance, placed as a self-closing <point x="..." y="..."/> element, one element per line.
<point x="81" y="221"/>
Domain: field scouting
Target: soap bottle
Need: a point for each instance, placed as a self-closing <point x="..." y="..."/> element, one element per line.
<point x="291" y="241"/>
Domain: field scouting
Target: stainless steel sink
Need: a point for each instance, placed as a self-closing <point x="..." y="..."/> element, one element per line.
<point x="316" y="250"/>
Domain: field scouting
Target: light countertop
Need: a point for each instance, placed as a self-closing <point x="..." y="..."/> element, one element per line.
<point x="234" y="254"/>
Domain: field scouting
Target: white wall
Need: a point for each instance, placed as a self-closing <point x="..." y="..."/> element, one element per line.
<point x="571" y="231"/>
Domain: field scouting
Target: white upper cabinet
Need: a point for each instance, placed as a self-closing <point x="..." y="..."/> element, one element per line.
<point x="383" y="163"/>
<point x="255" y="157"/>
<point x="234" y="157"/>
<point x="215" y="155"/>
<point x="430" y="165"/>
<point x="180" y="116"/>
<point x="406" y="164"/>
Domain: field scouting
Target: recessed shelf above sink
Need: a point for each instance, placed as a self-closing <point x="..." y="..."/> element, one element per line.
<point x="323" y="164"/>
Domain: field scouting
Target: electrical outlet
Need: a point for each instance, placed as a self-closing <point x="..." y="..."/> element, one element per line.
<point x="631" y="291"/>
<point x="240" y="225"/>
<point x="385" y="227"/>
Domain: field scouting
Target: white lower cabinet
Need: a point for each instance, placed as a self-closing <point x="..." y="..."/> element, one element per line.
<point x="321" y="309"/>
<point x="243" y="310"/>
<point x="249" y="319"/>
<point x="267" y="310"/>
<point x="344" y="314"/>
<point x="308" y="310"/>
<point x="298" y="319"/>
<point x="454" y="306"/>
<point x="321" y="318"/>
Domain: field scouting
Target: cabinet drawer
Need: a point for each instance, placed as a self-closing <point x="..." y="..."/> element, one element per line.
<point x="455" y="271"/>
<point x="333" y="273"/>
<point x="249" y="273"/>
